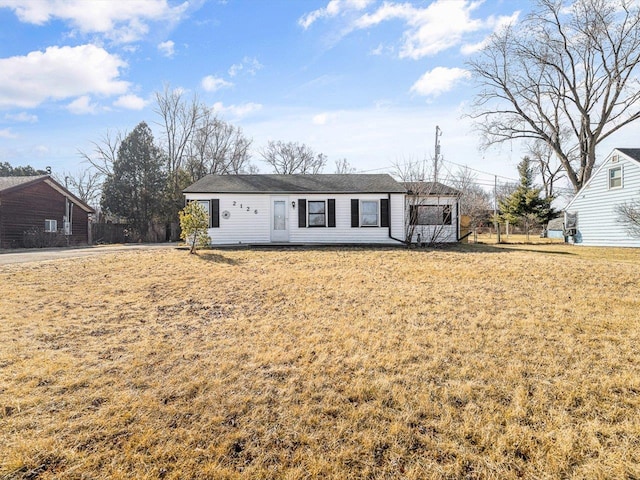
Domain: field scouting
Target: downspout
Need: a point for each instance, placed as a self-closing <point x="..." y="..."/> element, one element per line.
<point x="458" y="219"/>
<point x="389" y="214"/>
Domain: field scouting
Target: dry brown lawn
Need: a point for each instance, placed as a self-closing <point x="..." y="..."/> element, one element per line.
<point x="476" y="362"/>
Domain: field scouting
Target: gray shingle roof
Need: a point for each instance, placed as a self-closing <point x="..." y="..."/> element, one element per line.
<point x="631" y="152"/>
<point x="430" y="188"/>
<point x="9" y="182"/>
<point x="319" y="183"/>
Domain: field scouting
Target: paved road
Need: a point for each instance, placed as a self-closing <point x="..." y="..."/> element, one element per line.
<point x="8" y="257"/>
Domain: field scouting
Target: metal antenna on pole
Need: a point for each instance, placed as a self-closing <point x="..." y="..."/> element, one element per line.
<point x="437" y="153"/>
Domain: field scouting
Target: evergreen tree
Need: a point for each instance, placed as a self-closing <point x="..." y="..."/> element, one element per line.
<point x="135" y="189"/>
<point x="525" y="206"/>
<point x="6" y="170"/>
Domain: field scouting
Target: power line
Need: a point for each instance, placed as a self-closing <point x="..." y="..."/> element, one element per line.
<point x="489" y="183"/>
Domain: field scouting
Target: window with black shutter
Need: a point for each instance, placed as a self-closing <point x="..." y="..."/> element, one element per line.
<point x="331" y="212"/>
<point x="214" y="216"/>
<point x="302" y="213"/>
<point x="384" y="212"/>
<point x="355" y="212"/>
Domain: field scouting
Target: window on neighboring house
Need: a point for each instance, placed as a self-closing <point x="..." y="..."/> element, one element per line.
<point x="50" y="225"/>
<point x="369" y="213"/>
<point x="430" y="214"/>
<point x="615" y="177"/>
<point x="317" y="213"/>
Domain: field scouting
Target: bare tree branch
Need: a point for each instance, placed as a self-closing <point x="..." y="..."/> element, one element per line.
<point x="292" y="157"/>
<point x="565" y="76"/>
<point x="629" y="214"/>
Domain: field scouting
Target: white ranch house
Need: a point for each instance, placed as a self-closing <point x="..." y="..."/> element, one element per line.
<point x="312" y="209"/>
<point x="591" y="217"/>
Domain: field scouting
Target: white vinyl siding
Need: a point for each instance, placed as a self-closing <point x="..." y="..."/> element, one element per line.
<point x="343" y="233"/>
<point x="243" y="218"/>
<point x="595" y="204"/>
<point x="445" y="230"/>
<point x="242" y="225"/>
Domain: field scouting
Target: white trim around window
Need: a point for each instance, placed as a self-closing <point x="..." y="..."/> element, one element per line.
<point x="50" y="226"/>
<point x="317" y="213"/>
<point x="369" y="213"/>
<point x="615" y="177"/>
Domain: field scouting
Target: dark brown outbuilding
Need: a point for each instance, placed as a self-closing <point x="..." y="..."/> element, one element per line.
<point x="37" y="211"/>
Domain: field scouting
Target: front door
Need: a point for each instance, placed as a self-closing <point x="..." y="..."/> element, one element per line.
<point x="279" y="219"/>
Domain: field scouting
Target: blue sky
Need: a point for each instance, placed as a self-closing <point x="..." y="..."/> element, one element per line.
<point x="364" y="80"/>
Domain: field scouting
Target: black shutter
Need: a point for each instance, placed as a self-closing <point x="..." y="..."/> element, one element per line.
<point x="355" y="212"/>
<point x="331" y="207"/>
<point x="302" y="213"/>
<point x="384" y="212"/>
<point x="215" y="213"/>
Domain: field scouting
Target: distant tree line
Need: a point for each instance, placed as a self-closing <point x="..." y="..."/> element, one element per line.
<point x="6" y="170"/>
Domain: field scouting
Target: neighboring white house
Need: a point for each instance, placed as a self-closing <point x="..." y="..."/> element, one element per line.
<point x="591" y="217"/>
<point x="432" y="213"/>
<point x="323" y="209"/>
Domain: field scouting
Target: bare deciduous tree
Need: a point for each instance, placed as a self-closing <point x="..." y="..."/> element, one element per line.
<point x="428" y="211"/>
<point x="629" y="215"/>
<point x="85" y="184"/>
<point x="292" y="157"/>
<point x="343" y="166"/>
<point x="217" y="147"/>
<point x="475" y="201"/>
<point x="565" y="76"/>
<point x="104" y="152"/>
<point x="547" y="165"/>
<point x="179" y="120"/>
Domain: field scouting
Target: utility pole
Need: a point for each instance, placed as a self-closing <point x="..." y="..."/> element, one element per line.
<point x="437" y="153"/>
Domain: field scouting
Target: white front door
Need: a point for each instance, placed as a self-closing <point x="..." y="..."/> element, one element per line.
<point x="279" y="219"/>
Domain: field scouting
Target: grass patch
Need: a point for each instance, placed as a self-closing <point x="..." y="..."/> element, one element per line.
<point x="473" y="362"/>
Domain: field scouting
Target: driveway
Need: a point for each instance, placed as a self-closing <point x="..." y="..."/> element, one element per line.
<point x="8" y="257"/>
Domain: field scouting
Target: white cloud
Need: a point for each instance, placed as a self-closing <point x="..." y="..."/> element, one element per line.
<point x="123" y="21"/>
<point x="211" y="83"/>
<point x="167" y="48"/>
<point x="130" y="102"/>
<point x="333" y="8"/>
<point x="439" y="80"/>
<point x="324" y="118"/>
<point x="249" y="65"/>
<point x="59" y="73"/>
<point x="82" y="106"/>
<point x="21" y="117"/>
<point x="41" y="150"/>
<point x="498" y="23"/>
<point x="426" y="32"/>
<point x="237" y="111"/>
<point x="6" y="133"/>
<point x="471" y="48"/>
